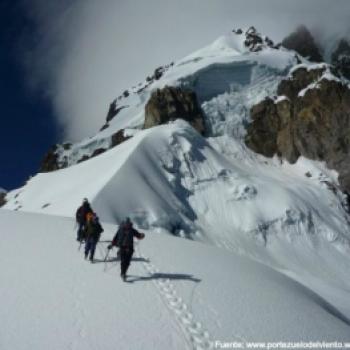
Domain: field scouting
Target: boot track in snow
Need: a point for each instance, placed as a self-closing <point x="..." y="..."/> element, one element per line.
<point x="195" y="333"/>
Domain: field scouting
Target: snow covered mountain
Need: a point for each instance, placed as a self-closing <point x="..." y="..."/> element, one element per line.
<point x="285" y="225"/>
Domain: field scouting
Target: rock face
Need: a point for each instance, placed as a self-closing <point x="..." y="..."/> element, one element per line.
<point x="304" y="44"/>
<point x="172" y="103"/>
<point x="255" y="41"/>
<point x="341" y="58"/>
<point x="118" y="138"/>
<point x="2" y="198"/>
<point x="50" y="161"/>
<point x="311" y="118"/>
<point x="159" y="72"/>
<point x="113" y="110"/>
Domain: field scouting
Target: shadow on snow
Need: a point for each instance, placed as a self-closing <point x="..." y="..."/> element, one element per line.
<point x="169" y="276"/>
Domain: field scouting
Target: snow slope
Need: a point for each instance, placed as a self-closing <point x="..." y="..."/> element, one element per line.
<point x="51" y="298"/>
<point x="170" y="177"/>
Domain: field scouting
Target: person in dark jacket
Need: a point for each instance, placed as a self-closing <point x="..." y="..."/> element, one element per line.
<point x="93" y="234"/>
<point x="80" y="217"/>
<point x="124" y="239"/>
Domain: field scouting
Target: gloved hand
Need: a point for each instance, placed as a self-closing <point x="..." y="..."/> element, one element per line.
<point x="110" y="246"/>
<point x="142" y="235"/>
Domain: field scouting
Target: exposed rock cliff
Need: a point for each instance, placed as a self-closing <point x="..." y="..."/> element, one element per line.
<point x="2" y="198"/>
<point x="311" y="117"/>
<point x="172" y="103"/>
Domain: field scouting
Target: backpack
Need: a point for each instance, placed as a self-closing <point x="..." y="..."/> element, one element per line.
<point x="98" y="228"/>
<point x="79" y="215"/>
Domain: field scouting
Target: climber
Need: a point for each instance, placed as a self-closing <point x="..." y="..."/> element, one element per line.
<point x="124" y="240"/>
<point x="93" y="234"/>
<point x="80" y="217"/>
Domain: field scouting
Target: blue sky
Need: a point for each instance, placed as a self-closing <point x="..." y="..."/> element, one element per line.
<point x="28" y="127"/>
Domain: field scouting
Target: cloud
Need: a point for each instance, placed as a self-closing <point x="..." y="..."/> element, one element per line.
<point x="84" y="53"/>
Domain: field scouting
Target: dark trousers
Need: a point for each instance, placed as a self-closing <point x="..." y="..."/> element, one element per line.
<point x="80" y="233"/>
<point x="125" y="257"/>
<point x="90" y="246"/>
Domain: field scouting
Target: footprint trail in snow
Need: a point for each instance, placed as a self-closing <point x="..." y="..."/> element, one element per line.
<point x="195" y="333"/>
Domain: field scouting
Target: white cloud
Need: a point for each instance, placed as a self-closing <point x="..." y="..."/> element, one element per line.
<point x="87" y="51"/>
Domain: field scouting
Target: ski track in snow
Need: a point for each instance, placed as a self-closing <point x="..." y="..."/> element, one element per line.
<point x="195" y="333"/>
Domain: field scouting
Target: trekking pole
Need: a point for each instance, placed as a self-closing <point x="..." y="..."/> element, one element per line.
<point x="106" y="257"/>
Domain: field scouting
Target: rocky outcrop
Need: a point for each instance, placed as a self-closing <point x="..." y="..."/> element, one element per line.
<point x="312" y="119"/>
<point x="299" y="80"/>
<point x="113" y="110"/>
<point x="341" y="58"/>
<point x="118" y="138"/>
<point x="304" y="44"/>
<point x="97" y="152"/>
<point x="254" y="40"/>
<point x="2" y="198"/>
<point x="50" y="161"/>
<point x="172" y="103"/>
<point x="263" y="132"/>
<point x="159" y="72"/>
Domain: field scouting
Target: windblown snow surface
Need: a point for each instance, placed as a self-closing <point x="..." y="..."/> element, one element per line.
<point x="180" y="295"/>
<point x="267" y="254"/>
